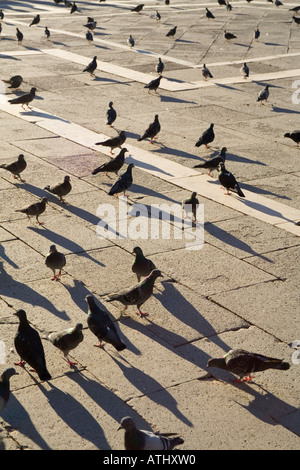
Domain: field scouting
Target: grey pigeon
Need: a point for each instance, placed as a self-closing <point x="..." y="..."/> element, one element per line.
<point x="209" y="14"/>
<point x="35" y="20"/>
<point x="66" y="340"/>
<point x="89" y="36"/>
<point x="90" y="19"/>
<point x="229" y="36"/>
<point x="91" y="25"/>
<point x="207" y="137"/>
<point x="60" y="189"/>
<point x="91" y="67"/>
<point x="278" y="3"/>
<point x="242" y="363"/>
<point x="35" y="209"/>
<point x="29" y="346"/>
<point x="24" y="99"/>
<point x="130" y="41"/>
<point x="154" y="84"/>
<point x="135" y="439"/>
<point x="114" y="142"/>
<point x="47" y="33"/>
<point x="19" y="36"/>
<point x="206" y="72"/>
<point x="160" y="66"/>
<point x="123" y="182"/>
<point x="152" y="131"/>
<point x="256" y="34"/>
<point x="191" y="204"/>
<point x="14" y="82"/>
<point x="138" y="8"/>
<point x="102" y="326"/>
<point x="295" y="136"/>
<point x="55" y="261"/>
<point x="245" y="70"/>
<point x="172" y="32"/>
<point x="73" y="8"/>
<point x="141" y="265"/>
<point x="16" y="167"/>
<point x="228" y="181"/>
<point x="5" y="386"/>
<point x="214" y="162"/>
<point x="113" y="165"/>
<point x="157" y="16"/>
<point x="111" y="114"/>
<point x="296" y="19"/>
<point x="263" y="95"/>
<point x="137" y="294"/>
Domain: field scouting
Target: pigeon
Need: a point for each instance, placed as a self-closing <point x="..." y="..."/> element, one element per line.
<point x="190" y="205"/>
<point x="160" y="66"/>
<point x="228" y="6"/>
<point x="57" y="1"/>
<point x="89" y="36"/>
<point x="137" y="294"/>
<point x="167" y="2"/>
<point x="207" y="137"/>
<point x="35" y="209"/>
<point x="67" y="340"/>
<point x="245" y="70"/>
<point x="130" y="41"/>
<point x="111" y="114"/>
<point x="214" y="162"/>
<point x="141" y="266"/>
<point x="113" y="166"/>
<point x="35" y="20"/>
<point x="68" y="4"/>
<point x="278" y="3"/>
<point x="123" y="182"/>
<point x="222" y="2"/>
<point x="91" y="67"/>
<point x="296" y="9"/>
<point x="47" y="33"/>
<point x="1" y="15"/>
<point x="0" y="28"/>
<point x="91" y="25"/>
<point x="172" y="32"/>
<point x="135" y="439"/>
<point x="228" y="181"/>
<point x="297" y="20"/>
<point x="157" y="16"/>
<point x="138" y="8"/>
<point x="102" y="326"/>
<point x="19" y="36"/>
<point x="154" y="84"/>
<point x="152" y="131"/>
<point x="206" y="73"/>
<point x="60" y="189"/>
<point x="295" y="136"/>
<point x="209" y="14"/>
<point x="24" y="99"/>
<point x="242" y="363"/>
<point x="229" y="36"/>
<point x="73" y="8"/>
<point x="256" y="34"/>
<point x="90" y="19"/>
<point x="55" y="260"/>
<point x="4" y="386"/>
<point x="14" y="82"/>
<point x="29" y="346"/>
<point x="263" y="95"/>
<point x="16" y="167"/>
<point x="114" y="142"/>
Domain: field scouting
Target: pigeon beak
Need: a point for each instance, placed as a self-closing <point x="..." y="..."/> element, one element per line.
<point x="120" y="427"/>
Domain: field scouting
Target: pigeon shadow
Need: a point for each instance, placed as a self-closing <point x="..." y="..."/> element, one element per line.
<point x="265" y="210"/>
<point x="41" y="114"/>
<point x="228" y="87"/>
<point x="257" y="190"/>
<point x="149" y="211"/>
<point x="172" y="99"/>
<point x="110" y="80"/>
<point x="4" y="257"/>
<point x="7" y="56"/>
<point x="276" y="109"/>
<point x="176" y="152"/>
<point x="146" y="166"/>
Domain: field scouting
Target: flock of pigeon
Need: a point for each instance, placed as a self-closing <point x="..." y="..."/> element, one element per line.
<point x="27" y="340"/>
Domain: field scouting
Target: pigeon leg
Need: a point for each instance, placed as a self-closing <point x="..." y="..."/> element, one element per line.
<point x="71" y="363"/>
<point x="38" y="222"/>
<point x="20" y="363"/>
<point x="142" y="314"/>
<point x="54" y="278"/>
<point x="59" y="272"/>
<point x="100" y="345"/>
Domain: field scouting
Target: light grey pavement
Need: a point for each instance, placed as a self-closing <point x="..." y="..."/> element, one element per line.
<point x="239" y="290"/>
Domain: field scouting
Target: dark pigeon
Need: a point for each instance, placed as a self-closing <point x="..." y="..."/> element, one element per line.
<point x="222" y="2"/>
<point x="35" y="20"/>
<point x="228" y="6"/>
<point x="29" y="346"/>
<point x="91" y="67"/>
<point x="67" y="340"/>
<point x="5" y="386"/>
<point x="137" y="294"/>
<point x="295" y="136"/>
<point x="172" y="32"/>
<point x="256" y="34"/>
<point x="123" y="183"/>
<point x="1" y="15"/>
<point x="228" y="181"/>
<point x="24" y="99"/>
<point x="141" y="266"/>
<point x="206" y="72"/>
<point x="102" y="326"/>
<point x="112" y="166"/>
<point x="154" y="84"/>
<point x="19" y="36"/>
<point x="263" y="95"/>
<point x="138" y="8"/>
<point x="296" y="19"/>
<point x="16" y="168"/>
<point x="207" y="137"/>
<point x="114" y="142"/>
<point x="55" y="261"/>
<point x="214" y="162"/>
<point x="242" y="363"/>
<point x="47" y="33"/>
<point x="245" y="70"/>
<point x="35" y="209"/>
<point x="111" y="114"/>
<point x="229" y="36"/>
<point x="68" y="4"/>
<point x="157" y="16"/>
<point x="130" y="41"/>
<point x="60" y="189"/>
<point x="91" y="25"/>
<point x="191" y="204"/>
<point x="209" y="14"/>
<point x="296" y="9"/>
<point x="160" y="66"/>
<point x="73" y="8"/>
<point x="14" y="82"/>
<point x="152" y="131"/>
<point x="135" y="439"/>
<point x="89" y="36"/>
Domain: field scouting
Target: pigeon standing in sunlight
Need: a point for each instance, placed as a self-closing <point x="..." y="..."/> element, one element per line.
<point x="113" y="165"/>
<point x="229" y="36"/>
<point x="14" y="82"/>
<point x="209" y="14"/>
<point x="91" y="25"/>
<point x="89" y="37"/>
<point x="214" y="162"/>
<point x="67" y="340"/>
<point x="114" y="142"/>
<point x="60" y="189"/>
<point x="157" y="16"/>
<point x="245" y="70"/>
<point x="141" y="265"/>
<point x="123" y="183"/>
<point x="228" y="181"/>
<point x="5" y="386"/>
<point x="16" y="167"/>
<point x="130" y="41"/>
<point x="160" y="66"/>
<point x="138" y="8"/>
<point x="152" y="131"/>
<point x="111" y="114"/>
<point x="73" y="8"/>
<point x="19" y="36"/>
<point x="154" y="84"/>
<point x="91" y="67"/>
<point x="256" y="34"/>
<point x="35" y="210"/>
<point x="24" y="99"/>
<point x="55" y="261"/>
<point x="35" y="20"/>
<point x="207" y="137"/>
<point x="47" y="33"/>
<point x="172" y="32"/>
<point x="295" y="136"/>
<point x="263" y="95"/>
<point x="206" y="73"/>
<point x="191" y="204"/>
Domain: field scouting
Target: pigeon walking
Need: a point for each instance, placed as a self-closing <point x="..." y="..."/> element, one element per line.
<point x="60" y="189"/>
<point x="111" y="114"/>
<point x="91" y="25"/>
<point x="112" y="166"/>
<point x="157" y="16"/>
<point x="152" y="131"/>
<point x="19" y="36"/>
<point x="14" y="82"/>
<point x="214" y="162"/>
<point x="29" y="346"/>
<point x="245" y="70"/>
<point x="256" y="34"/>
<point x="67" y="340"/>
<point x="24" y="99"/>
<point x="73" y="8"/>
<point x="172" y="32"/>
<point x="91" y="67"/>
<point x="207" y="137"/>
<point x="130" y="41"/>
<point x="5" y="386"/>
<point x="114" y="142"/>
<point x="228" y="6"/>
<point x="242" y="363"/>
<point x="68" y="4"/>
<point x="138" y="8"/>
<point x="160" y="66"/>
<point x="295" y="136"/>
<point x="123" y="183"/>
<point x="135" y="439"/>
<point x="137" y="294"/>
<point x="47" y="33"/>
<point x="141" y="265"/>
<point x="263" y="95"/>
<point x="35" y="209"/>
<point x="191" y="204"/>
<point x="228" y="181"/>
<point x="55" y="261"/>
<point x="229" y="36"/>
<point x="297" y="20"/>
<point x="35" y="20"/>
<point x="89" y="36"/>
<point x="102" y="326"/>
<point x="209" y="14"/>
<point x="206" y="73"/>
<point x="16" y="167"/>
<point x="154" y="84"/>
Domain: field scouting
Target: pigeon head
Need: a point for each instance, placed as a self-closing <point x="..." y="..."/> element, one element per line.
<point x="287" y="134"/>
<point x="194" y="194"/>
<point x="33" y="90"/>
<point x="156" y="117"/>
<point x="21" y="158"/>
<point x="8" y="373"/>
<point x="137" y="250"/>
<point x="67" y="178"/>
<point x="78" y="326"/>
<point x="95" y="57"/>
<point x="155" y="273"/>
<point x="44" y="199"/>
<point x="218" y="362"/>
<point x="53" y="249"/>
<point x="110" y="104"/>
<point x="131" y="165"/>
<point x="90" y="299"/>
<point x="221" y="166"/>
<point x="126" y="423"/>
<point x="21" y="314"/>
